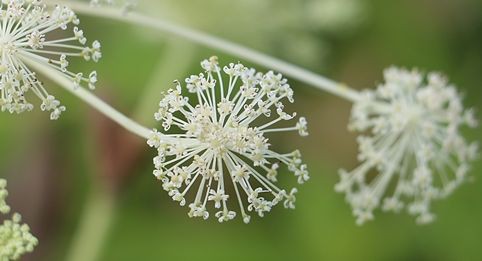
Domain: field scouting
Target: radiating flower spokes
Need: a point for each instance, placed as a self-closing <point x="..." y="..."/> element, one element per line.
<point x="27" y="34"/>
<point x="411" y="145"/>
<point x="220" y="149"/>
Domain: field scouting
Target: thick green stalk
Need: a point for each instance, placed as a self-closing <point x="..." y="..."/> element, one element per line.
<point x="294" y="71"/>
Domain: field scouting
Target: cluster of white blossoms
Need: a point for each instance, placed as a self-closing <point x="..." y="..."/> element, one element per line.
<point x="4" y="208"/>
<point x="15" y="238"/>
<point x="222" y="145"/>
<point x="28" y="33"/>
<point x="411" y="152"/>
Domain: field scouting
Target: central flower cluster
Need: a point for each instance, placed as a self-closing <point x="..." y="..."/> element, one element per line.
<point x="222" y="139"/>
<point x="221" y="146"/>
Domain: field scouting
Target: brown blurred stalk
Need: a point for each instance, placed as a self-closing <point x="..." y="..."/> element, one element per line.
<point x="119" y="154"/>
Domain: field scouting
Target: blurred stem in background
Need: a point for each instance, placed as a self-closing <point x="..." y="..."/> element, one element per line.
<point x="101" y="205"/>
<point x="97" y="217"/>
<point x="175" y="61"/>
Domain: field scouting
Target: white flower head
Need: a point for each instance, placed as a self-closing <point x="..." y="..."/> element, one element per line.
<point x="221" y="154"/>
<point x="15" y="237"/>
<point x="29" y="33"/>
<point x="412" y="151"/>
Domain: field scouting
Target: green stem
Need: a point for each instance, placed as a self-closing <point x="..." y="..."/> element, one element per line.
<point x="91" y="99"/>
<point x="286" y="68"/>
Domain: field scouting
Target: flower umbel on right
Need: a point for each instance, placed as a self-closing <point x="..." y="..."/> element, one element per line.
<point x="411" y="151"/>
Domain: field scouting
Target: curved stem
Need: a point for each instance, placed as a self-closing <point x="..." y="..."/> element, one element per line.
<point x="286" y="68"/>
<point x="92" y="100"/>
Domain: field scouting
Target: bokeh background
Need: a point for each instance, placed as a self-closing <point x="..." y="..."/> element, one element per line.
<point x="85" y="185"/>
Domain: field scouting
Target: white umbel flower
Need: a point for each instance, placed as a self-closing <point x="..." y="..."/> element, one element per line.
<point x="29" y="34"/>
<point x="15" y="238"/>
<point x="411" y="152"/>
<point x="221" y="145"/>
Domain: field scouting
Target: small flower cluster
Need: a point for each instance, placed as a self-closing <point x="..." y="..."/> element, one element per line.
<point x="4" y="208"/>
<point x="28" y="34"/>
<point x="15" y="238"/>
<point x="413" y="146"/>
<point x="222" y="145"/>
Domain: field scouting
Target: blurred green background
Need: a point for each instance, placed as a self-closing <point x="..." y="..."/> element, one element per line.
<point x="73" y="177"/>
